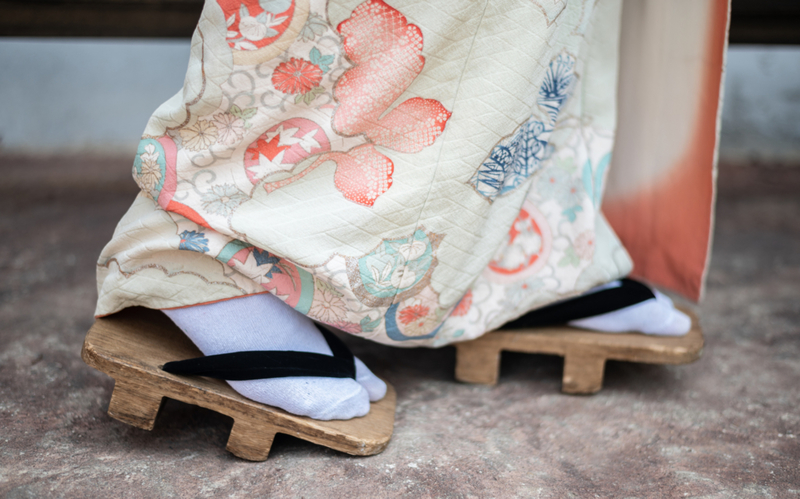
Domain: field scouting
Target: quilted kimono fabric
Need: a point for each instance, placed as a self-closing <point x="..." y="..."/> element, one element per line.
<point x="415" y="173"/>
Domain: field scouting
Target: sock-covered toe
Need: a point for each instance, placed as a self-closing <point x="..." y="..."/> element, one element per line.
<point x="673" y="322"/>
<point x="676" y="324"/>
<point x="375" y="386"/>
<point x="318" y="398"/>
<point x="656" y="316"/>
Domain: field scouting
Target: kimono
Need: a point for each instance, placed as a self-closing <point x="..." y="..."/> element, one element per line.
<point x="414" y="173"/>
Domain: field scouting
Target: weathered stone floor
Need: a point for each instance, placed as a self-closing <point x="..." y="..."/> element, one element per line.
<point x="726" y="426"/>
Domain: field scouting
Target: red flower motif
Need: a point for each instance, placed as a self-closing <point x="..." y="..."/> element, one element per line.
<point x="463" y="306"/>
<point x="413" y="313"/>
<point x="297" y="76"/>
<point x="386" y="53"/>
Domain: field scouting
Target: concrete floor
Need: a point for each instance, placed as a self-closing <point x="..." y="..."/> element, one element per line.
<point x="726" y="426"/>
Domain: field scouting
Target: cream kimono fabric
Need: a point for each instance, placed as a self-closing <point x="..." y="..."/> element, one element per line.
<point x="415" y="173"/>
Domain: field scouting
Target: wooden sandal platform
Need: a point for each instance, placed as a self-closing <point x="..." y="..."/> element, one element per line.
<point x="585" y="352"/>
<point x="130" y="346"/>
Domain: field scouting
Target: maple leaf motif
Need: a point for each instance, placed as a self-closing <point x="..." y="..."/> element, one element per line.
<point x="308" y="142"/>
<point x="267" y="148"/>
<point x="286" y="136"/>
<point x="267" y="166"/>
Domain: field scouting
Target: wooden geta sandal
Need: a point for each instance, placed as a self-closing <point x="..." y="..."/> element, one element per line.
<point x="132" y="345"/>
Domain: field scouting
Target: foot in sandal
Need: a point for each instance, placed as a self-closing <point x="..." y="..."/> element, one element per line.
<point x="616" y="307"/>
<point x="265" y="323"/>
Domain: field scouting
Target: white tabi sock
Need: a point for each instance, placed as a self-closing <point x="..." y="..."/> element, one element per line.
<point x="656" y="316"/>
<point x="264" y="322"/>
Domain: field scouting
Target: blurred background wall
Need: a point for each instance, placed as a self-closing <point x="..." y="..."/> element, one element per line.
<point x="761" y="109"/>
<point x="84" y="95"/>
<point x="61" y="95"/>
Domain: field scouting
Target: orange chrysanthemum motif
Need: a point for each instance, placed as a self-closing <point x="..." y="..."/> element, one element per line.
<point x="413" y="313"/>
<point x="297" y="76"/>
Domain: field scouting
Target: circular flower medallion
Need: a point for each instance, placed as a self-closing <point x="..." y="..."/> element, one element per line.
<point x="284" y="145"/>
<point x="526" y="247"/>
<point x="297" y="76"/>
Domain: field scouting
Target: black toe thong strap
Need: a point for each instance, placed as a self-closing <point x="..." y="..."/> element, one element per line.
<point x="628" y="293"/>
<point x="241" y="366"/>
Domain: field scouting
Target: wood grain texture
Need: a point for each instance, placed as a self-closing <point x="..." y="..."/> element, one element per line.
<point x="585" y="352"/>
<point x="130" y="346"/>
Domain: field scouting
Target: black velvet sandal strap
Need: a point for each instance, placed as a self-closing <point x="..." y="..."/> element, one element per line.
<point x="629" y="293"/>
<point x="242" y="366"/>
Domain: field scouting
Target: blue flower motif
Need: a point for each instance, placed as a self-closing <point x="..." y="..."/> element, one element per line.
<point x="264" y="258"/>
<point x="492" y="173"/>
<point x="193" y="241"/>
<point x="529" y="151"/>
<point x="222" y="199"/>
<point x="513" y="161"/>
<point x="556" y="85"/>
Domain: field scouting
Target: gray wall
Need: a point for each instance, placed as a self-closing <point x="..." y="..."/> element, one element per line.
<point x="761" y="108"/>
<point x="71" y="95"/>
<point x="79" y="95"/>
